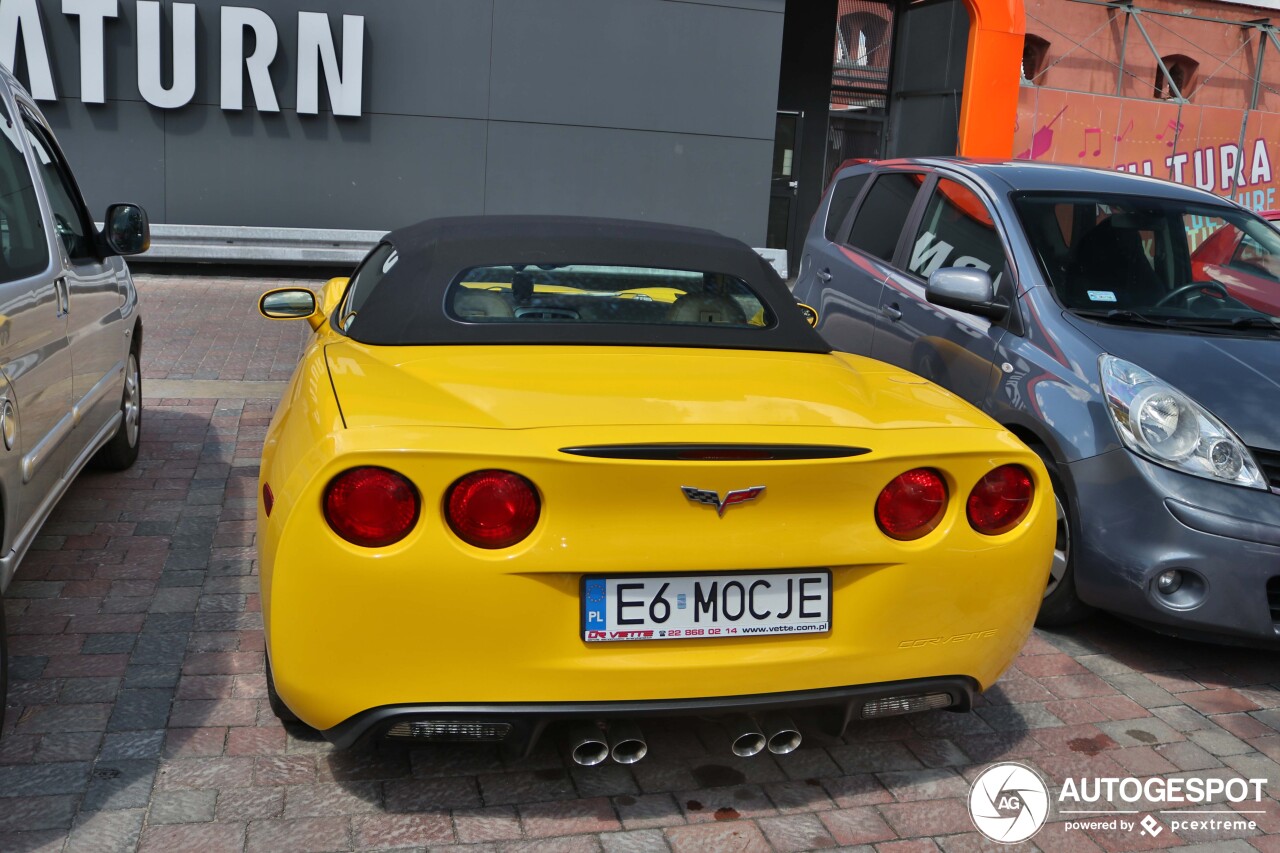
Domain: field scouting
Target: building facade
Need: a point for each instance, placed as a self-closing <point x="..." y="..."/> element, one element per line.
<point x="370" y="115"/>
<point x="1186" y="91"/>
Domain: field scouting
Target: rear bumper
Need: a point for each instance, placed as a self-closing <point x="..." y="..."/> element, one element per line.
<point x="830" y="709"/>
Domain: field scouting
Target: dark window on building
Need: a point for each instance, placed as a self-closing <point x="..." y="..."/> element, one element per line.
<point x="1182" y="71"/>
<point x="864" y="43"/>
<point x="863" y="40"/>
<point x="843" y="195"/>
<point x="880" y="219"/>
<point x="1035" y="51"/>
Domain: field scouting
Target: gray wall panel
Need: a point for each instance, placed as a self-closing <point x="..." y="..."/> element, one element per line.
<point x="117" y="154"/>
<point x="226" y="169"/>
<point x="710" y="182"/>
<point x="636" y="63"/>
<point x="658" y="109"/>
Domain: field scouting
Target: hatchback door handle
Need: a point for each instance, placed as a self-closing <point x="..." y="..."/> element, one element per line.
<point x="891" y="311"/>
<point x="824" y="276"/>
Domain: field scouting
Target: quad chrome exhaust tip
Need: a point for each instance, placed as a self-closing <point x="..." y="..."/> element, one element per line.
<point x="626" y="742"/>
<point x="587" y="744"/>
<point x="747" y="736"/>
<point x="594" y="743"/>
<point x="783" y="735"/>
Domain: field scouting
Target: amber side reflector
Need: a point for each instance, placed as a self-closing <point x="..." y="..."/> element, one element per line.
<point x="268" y="499"/>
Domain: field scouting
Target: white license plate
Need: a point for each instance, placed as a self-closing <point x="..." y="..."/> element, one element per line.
<point x="680" y="607"/>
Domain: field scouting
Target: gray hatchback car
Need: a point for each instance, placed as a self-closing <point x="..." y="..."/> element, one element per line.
<point x="1126" y="328"/>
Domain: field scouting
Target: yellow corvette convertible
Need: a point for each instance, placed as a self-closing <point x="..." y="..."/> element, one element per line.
<point x="538" y="471"/>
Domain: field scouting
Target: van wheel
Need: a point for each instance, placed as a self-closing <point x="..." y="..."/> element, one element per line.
<point x="122" y="450"/>
<point x="1061" y="604"/>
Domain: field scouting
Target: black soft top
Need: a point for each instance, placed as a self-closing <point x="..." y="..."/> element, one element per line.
<point x="406" y="308"/>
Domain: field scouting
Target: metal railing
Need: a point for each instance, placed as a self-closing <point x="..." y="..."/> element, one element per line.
<point x="224" y="244"/>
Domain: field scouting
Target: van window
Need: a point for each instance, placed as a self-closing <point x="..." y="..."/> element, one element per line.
<point x="957" y="231"/>
<point x="70" y="217"/>
<point x="24" y="249"/>
<point x="879" y="222"/>
<point x="843" y="195"/>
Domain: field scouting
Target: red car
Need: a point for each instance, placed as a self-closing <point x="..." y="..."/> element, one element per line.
<point x="1248" y="271"/>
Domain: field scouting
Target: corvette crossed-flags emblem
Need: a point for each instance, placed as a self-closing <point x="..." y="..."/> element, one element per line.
<point x="737" y="496"/>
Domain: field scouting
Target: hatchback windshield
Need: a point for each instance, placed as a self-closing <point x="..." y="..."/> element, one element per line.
<point x="522" y="293"/>
<point x="1131" y="259"/>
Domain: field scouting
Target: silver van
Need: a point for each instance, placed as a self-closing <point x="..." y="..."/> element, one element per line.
<point x="70" y="331"/>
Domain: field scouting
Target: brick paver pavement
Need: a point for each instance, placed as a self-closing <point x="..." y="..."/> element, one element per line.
<point x="137" y="717"/>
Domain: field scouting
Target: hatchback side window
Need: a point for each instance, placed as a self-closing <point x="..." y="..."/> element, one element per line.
<point x="70" y="217"/>
<point x="843" y="195"/>
<point x="957" y="231"/>
<point x="879" y="221"/>
<point x="24" y="249"/>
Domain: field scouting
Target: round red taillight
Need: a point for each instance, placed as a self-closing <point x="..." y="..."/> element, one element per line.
<point x="371" y="507"/>
<point x="492" y="509"/>
<point x="912" y="504"/>
<point x="1001" y="500"/>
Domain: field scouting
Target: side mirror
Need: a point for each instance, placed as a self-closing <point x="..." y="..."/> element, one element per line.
<point x="810" y="314"/>
<point x="126" y="229"/>
<point x="965" y="289"/>
<point x="290" y="303"/>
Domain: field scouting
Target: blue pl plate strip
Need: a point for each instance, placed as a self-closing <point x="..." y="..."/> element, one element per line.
<point x="594" y="591"/>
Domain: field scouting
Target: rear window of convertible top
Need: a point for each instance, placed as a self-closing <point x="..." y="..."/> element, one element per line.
<point x="572" y="293"/>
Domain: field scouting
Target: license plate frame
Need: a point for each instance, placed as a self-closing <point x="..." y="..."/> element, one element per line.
<point x="594" y="614"/>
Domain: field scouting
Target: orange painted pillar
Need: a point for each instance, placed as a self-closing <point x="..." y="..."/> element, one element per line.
<point x="992" y="76"/>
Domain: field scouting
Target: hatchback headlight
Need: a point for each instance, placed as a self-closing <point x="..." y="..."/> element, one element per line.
<point x="1159" y="422"/>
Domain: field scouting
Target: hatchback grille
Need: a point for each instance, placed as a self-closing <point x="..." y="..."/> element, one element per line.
<point x="1273" y="598"/>
<point x="1269" y="461"/>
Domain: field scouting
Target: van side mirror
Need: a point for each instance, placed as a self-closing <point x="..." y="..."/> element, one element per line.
<point x="126" y="229"/>
<point x="966" y="289"/>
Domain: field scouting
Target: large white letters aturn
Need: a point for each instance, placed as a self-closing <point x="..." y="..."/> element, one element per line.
<point x="24" y="15"/>
<point x="235" y="20"/>
<point x="93" y="64"/>
<point x="150" y="86"/>
<point x="315" y="46"/>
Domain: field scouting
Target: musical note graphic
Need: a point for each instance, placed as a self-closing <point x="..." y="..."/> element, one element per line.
<point x="1125" y="132"/>
<point x="1095" y="132"/>
<point x="1042" y="140"/>
<point x="1176" y="127"/>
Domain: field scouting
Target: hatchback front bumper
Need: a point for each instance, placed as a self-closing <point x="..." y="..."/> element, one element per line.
<point x="1144" y="519"/>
